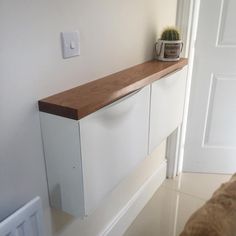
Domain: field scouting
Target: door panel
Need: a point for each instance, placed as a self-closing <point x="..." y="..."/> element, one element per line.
<point x="227" y="36"/>
<point x="211" y="130"/>
<point x="167" y="103"/>
<point x="114" y="141"/>
<point x="221" y="112"/>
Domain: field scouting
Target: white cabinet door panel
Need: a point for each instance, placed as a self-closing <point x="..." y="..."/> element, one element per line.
<point x="167" y="103"/>
<point x="113" y="141"/>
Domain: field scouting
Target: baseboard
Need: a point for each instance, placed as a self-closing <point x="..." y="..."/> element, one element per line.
<point x="127" y="214"/>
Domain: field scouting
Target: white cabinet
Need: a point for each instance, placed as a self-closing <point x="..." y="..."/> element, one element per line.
<point x="86" y="159"/>
<point x="167" y="104"/>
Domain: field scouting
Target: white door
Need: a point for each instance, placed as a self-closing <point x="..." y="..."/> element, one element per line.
<point x="211" y="130"/>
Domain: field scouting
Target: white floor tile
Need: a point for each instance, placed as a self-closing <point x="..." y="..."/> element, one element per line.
<point x="173" y="203"/>
<point x="198" y="185"/>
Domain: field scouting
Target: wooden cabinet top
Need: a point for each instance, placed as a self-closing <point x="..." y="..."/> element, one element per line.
<point x="85" y="99"/>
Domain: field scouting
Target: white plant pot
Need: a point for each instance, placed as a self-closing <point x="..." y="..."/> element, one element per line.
<point x="168" y="50"/>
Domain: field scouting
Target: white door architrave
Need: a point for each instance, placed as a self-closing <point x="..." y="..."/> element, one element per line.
<point x="186" y="22"/>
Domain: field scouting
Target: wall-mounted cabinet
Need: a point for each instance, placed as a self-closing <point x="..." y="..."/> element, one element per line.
<point x="86" y="159"/>
<point x="96" y="134"/>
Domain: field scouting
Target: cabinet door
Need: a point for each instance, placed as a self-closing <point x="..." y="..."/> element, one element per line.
<point x="114" y="140"/>
<point x="167" y="103"/>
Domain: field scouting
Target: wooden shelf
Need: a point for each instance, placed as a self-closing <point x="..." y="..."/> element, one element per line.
<point x="83" y="100"/>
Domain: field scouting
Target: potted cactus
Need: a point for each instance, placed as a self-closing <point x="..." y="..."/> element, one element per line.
<point x="169" y="46"/>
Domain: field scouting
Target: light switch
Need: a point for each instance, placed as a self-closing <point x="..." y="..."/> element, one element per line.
<point x="70" y="44"/>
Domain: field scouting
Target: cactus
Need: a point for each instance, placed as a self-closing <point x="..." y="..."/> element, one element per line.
<point x="170" y="34"/>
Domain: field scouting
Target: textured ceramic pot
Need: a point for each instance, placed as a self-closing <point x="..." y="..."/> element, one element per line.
<point x="168" y="50"/>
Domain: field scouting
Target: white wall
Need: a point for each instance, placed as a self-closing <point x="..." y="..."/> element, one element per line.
<point x="114" y="35"/>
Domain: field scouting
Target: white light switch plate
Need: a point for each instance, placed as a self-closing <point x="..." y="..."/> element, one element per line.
<point x="70" y="44"/>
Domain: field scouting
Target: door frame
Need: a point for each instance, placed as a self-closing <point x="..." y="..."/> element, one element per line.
<point x="187" y="22"/>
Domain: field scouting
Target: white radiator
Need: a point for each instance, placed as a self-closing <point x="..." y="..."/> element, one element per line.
<point x="27" y="221"/>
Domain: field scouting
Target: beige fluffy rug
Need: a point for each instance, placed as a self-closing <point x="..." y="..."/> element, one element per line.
<point x="217" y="217"/>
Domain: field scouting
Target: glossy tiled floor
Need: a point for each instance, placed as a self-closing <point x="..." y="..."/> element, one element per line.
<point x="173" y="203"/>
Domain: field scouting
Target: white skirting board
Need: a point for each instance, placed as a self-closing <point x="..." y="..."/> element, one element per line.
<point x="128" y="213"/>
